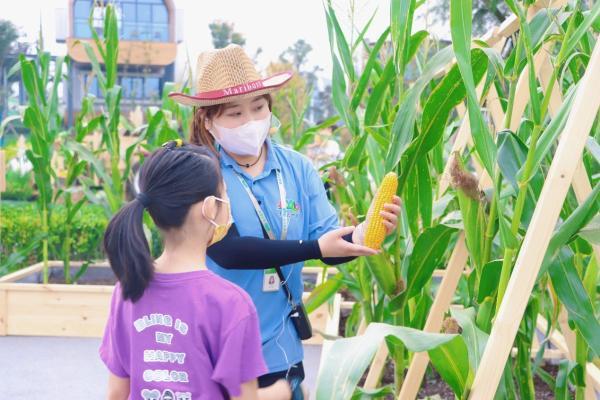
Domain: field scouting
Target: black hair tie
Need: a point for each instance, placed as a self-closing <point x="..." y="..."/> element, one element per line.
<point x="144" y="199"/>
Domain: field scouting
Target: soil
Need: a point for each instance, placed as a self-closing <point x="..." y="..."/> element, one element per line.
<point x="93" y="276"/>
<point x="435" y="387"/>
<point x="344" y="314"/>
<point x="346" y="294"/>
<point x="310" y="282"/>
<point x="84" y="281"/>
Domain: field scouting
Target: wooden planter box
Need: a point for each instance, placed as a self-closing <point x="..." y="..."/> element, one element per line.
<point x="31" y="308"/>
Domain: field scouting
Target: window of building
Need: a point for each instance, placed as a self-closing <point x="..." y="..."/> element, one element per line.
<point x="145" y="20"/>
<point x="152" y="88"/>
<point x="133" y="87"/>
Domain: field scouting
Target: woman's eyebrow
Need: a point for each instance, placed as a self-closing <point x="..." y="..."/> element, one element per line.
<point x="228" y="106"/>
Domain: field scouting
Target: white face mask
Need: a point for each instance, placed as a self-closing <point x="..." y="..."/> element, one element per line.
<point x="245" y="140"/>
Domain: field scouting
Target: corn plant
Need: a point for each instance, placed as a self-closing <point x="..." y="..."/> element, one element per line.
<point x="112" y="177"/>
<point x="44" y="121"/>
<point x="408" y="126"/>
<point x="74" y="170"/>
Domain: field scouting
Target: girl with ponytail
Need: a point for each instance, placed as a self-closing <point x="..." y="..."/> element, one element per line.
<point x="175" y="329"/>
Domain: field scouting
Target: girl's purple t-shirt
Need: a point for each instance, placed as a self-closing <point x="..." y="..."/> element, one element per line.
<point x="191" y="336"/>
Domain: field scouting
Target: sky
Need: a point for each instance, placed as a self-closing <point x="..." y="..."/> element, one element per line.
<point x="272" y="25"/>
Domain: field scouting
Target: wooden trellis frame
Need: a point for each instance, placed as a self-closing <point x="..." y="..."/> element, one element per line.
<point x="458" y="259"/>
<point x="455" y="268"/>
<point x="560" y="176"/>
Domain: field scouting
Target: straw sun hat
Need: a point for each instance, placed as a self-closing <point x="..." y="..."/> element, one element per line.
<point x="228" y="74"/>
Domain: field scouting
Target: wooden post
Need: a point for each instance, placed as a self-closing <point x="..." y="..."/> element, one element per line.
<point x="441" y="303"/>
<point x="522" y="280"/>
<point x="463" y="138"/>
<point x="582" y="188"/>
<point x="3" y="312"/>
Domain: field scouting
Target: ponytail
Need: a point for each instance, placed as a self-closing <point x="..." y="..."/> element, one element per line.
<point x="171" y="180"/>
<point x="128" y="251"/>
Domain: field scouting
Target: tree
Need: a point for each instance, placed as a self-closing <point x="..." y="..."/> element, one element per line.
<point x="8" y="38"/>
<point x="8" y="45"/>
<point x="486" y="13"/>
<point x="322" y="107"/>
<point x="296" y="54"/>
<point x="223" y="34"/>
<point x="292" y="98"/>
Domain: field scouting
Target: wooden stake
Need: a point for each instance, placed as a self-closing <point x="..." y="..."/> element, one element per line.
<point x="582" y="189"/>
<point x="441" y="303"/>
<point x="560" y="176"/>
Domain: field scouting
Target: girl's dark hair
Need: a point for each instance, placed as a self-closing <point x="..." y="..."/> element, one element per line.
<point x="171" y="180"/>
<point x="199" y="134"/>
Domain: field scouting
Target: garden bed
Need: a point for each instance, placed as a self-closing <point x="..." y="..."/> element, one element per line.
<point x="29" y="307"/>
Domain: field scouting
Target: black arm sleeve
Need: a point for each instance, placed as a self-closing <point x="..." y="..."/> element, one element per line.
<point x="338" y="260"/>
<point x="247" y="252"/>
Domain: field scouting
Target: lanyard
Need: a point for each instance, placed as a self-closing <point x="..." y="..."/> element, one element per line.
<point x="261" y="215"/>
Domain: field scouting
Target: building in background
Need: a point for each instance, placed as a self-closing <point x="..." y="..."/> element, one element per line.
<point x="148" y="37"/>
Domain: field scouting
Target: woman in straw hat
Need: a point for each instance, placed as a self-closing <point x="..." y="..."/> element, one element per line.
<point x="281" y="213"/>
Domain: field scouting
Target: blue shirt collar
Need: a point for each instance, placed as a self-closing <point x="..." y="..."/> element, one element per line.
<point x="271" y="164"/>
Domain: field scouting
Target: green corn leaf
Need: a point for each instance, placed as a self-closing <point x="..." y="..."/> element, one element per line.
<point x="416" y="40"/>
<point x="582" y="29"/>
<point x="591" y="232"/>
<point x="324" y="292"/>
<point x="443" y="99"/>
<point x="342" y="44"/>
<point x="362" y="33"/>
<point x="488" y="282"/>
<point x="451" y="361"/>
<point x="425" y="193"/>
<point x="401" y="18"/>
<point x="411" y="200"/>
<point x="366" y="73"/>
<point x="474" y="338"/>
<point x="377" y="96"/>
<point x="383" y="272"/>
<point x="565" y="368"/>
<point x="404" y="121"/>
<point x="355" y="151"/>
<point x="552" y="131"/>
<point x="460" y="24"/>
<point x="348" y="358"/>
<point x="429" y="249"/>
<point x="571" y="226"/>
<point x="572" y="294"/>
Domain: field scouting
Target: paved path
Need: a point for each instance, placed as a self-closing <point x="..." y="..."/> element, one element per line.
<point x="36" y="368"/>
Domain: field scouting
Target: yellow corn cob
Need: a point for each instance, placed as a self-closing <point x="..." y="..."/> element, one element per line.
<point x="376" y="229"/>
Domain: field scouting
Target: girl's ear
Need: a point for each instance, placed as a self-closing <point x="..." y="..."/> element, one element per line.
<point x="210" y="208"/>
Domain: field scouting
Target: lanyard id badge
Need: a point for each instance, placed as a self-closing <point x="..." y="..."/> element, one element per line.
<point x="271" y="281"/>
